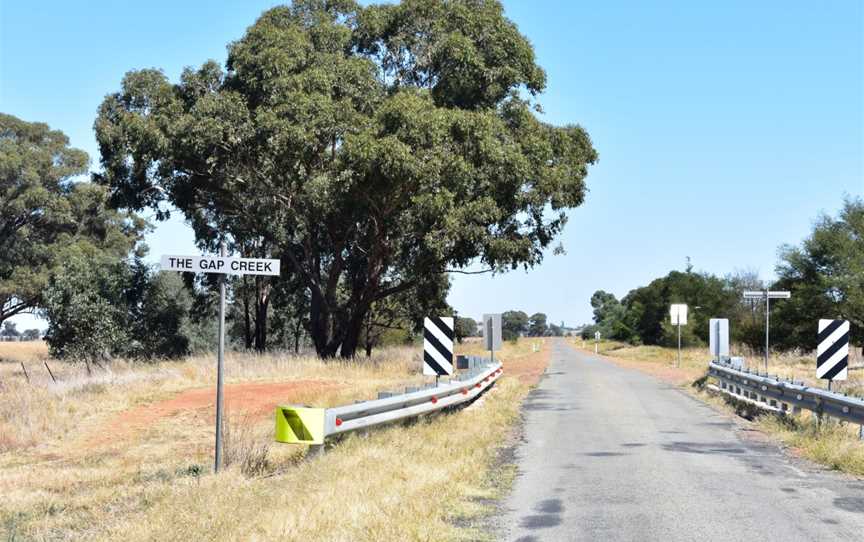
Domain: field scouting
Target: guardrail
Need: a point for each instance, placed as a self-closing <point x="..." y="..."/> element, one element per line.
<point x="306" y="425"/>
<point x="780" y="395"/>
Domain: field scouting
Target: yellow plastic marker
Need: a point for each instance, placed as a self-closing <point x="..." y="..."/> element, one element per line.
<point x="299" y="425"/>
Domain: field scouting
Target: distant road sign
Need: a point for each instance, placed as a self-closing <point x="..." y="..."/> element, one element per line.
<point x="438" y="346"/>
<point x="221" y="265"/>
<point x="832" y="350"/>
<point x="781" y="294"/>
<point x="492" y="331"/>
<point x="596" y="335"/>
<point x="678" y="312"/>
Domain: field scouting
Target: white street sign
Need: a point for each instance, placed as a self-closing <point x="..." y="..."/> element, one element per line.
<point x="221" y="265"/>
<point x="678" y="312"/>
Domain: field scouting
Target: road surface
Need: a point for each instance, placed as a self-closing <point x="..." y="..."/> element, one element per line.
<point x="613" y="454"/>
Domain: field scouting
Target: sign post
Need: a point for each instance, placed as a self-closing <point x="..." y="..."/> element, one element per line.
<point x="596" y="342"/>
<point x="767" y="295"/>
<point x="678" y="314"/>
<point x="221" y="265"/>
<point x="718" y="341"/>
<point x="492" y="333"/>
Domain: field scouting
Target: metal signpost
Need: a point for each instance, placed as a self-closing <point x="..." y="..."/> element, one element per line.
<point x="492" y="333"/>
<point x="221" y="265"/>
<point x="596" y="342"/>
<point x="767" y="295"/>
<point x="678" y="313"/>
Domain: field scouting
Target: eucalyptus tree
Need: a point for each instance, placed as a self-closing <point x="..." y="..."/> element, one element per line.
<point x="45" y="215"/>
<point x="366" y="147"/>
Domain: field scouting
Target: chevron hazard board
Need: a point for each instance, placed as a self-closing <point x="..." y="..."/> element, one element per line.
<point x="832" y="351"/>
<point x="438" y="346"/>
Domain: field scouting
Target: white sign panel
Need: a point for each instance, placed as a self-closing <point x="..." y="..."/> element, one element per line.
<point x="492" y="331"/>
<point x="596" y="335"/>
<point x="718" y="343"/>
<point x="678" y="312"/>
<point x="221" y="265"/>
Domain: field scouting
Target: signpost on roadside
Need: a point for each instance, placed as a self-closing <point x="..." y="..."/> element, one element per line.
<point x="221" y="265"/>
<point x="492" y="333"/>
<point x="718" y="338"/>
<point x="767" y="295"/>
<point x="596" y="342"/>
<point x="678" y="313"/>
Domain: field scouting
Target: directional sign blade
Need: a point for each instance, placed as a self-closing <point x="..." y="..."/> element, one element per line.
<point x="779" y="295"/>
<point x="221" y="265"/>
<point x="754" y="295"/>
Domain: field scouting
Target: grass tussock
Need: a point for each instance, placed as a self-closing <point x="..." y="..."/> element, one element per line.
<point x="833" y="444"/>
<point x="74" y="463"/>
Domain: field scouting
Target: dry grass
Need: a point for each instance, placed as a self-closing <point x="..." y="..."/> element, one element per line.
<point x="26" y="351"/>
<point x="65" y="474"/>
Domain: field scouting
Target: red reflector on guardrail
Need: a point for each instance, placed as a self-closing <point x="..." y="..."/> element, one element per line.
<point x="465" y="391"/>
<point x="434" y="399"/>
<point x="338" y="422"/>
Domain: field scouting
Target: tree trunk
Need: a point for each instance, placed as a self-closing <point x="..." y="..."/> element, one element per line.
<point x="321" y="328"/>
<point x="247" y="318"/>
<point x="262" y="302"/>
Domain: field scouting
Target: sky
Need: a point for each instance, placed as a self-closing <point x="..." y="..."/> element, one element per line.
<point x="724" y="129"/>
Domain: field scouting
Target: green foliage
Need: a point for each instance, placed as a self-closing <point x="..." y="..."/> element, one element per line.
<point x="513" y="325"/>
<point x="385" y="144"/>
<point x="826" y="277"/>
<point x="31" y="335"/>
<point x="83" y="304"/>
<point x="105" y="308"/>
<point x="464" y="327"/>
<point x="45" y="216"/>
<point x="10" y="330"/>
<point x="537" y="325"/>
<point x="823" y="274"/>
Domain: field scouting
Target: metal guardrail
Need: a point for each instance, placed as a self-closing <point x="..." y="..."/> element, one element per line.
<point x="774" y="393"/>
<point x="305" y="425"/>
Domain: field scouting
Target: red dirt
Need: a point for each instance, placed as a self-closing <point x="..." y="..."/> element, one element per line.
<point x="254" y="399"/>
<point x="528" y="368"/>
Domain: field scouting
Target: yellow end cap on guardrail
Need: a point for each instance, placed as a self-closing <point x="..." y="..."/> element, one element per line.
<point x="299" y="425"/>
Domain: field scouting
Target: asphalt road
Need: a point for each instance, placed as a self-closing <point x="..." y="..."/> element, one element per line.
<point x="613" y="454"/>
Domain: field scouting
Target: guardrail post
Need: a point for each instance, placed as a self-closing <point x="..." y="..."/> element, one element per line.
<point x="861" y="432"/>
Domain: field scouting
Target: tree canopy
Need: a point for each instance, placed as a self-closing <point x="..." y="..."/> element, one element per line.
<point x="45" y="216"/>
<point x="367" y="147"/>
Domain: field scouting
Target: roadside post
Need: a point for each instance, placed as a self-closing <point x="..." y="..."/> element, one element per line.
<point x="678" y="314"/>
<point x="767" y="295"/>
<point x="222" y="266"/>
<point x="596" y="342"/>
<point x="492" y="333"/>
<point x="718" y="338"/>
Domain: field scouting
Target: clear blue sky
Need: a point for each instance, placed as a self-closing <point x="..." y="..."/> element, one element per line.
<point x="724" y="128"/>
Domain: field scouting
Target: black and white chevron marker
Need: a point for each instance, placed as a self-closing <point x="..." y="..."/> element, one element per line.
<point x="832" y="352"/>
<point x="438" y="346"/>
